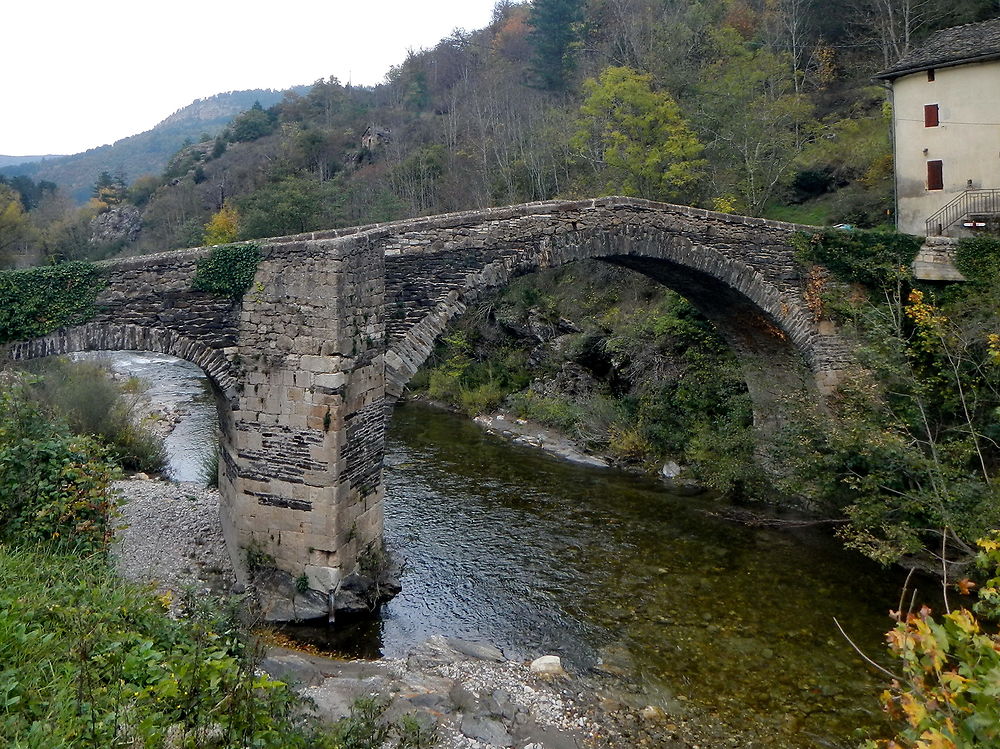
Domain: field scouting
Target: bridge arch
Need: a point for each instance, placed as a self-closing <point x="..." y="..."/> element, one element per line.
<point x="107" y="336"/>
<point x="746" y="282"/>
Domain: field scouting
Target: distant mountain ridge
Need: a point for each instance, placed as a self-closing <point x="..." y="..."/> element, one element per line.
<point x="145" y="153"/>
<point x="12" y="160"/>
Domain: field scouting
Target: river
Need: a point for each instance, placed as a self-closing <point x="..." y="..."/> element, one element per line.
<point x="606" y="569"/>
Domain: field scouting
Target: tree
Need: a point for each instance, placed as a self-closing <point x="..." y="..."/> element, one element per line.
<point x="15" y="228"/>
<point x="252" y="124"/>
<point x="636" y="138"/>
<point x="110" y="189"/>
<point x="753" y="123"/>
<point x="290" y="206"/>
<point x="223" y="227"/>
<point x="556" y="30"/>
<point x="892" y="25"/>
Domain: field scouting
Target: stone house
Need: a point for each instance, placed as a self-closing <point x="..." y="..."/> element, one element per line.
<point x="946" y="132"/>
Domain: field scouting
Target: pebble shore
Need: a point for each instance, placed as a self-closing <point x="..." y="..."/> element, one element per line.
<point x="169" y="534"/>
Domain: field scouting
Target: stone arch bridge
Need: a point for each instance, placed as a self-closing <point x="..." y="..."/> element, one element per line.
<point x="338" y="321"/>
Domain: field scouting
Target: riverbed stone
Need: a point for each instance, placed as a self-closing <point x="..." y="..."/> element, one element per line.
<point x="488" y="730"/>
<point x="482" y="651"/>
<point x="292" y="669"/>
<point x="548" y="665"/>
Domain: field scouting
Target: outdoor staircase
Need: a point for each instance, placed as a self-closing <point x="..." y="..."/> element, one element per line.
<point x="982" y="205"/>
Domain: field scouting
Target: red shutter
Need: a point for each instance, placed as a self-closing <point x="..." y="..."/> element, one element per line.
<point x="935" y="175"/>
<point x="931" y="118"/>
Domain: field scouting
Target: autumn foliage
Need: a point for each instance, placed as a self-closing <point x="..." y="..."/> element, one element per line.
<point x="946" y="694"/>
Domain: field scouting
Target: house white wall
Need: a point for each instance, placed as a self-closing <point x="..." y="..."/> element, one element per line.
<point x="967" y="140"/>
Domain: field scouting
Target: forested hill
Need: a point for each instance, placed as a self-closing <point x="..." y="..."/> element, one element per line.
<point x="761" y="107"/>
<point x="15" y="160"/>
<point x="142" y="154"/>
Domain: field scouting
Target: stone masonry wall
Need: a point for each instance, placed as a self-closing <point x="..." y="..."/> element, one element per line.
<point x="302" y="461"/>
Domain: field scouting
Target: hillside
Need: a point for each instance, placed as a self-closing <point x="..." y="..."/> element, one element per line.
<point x="15" y="160"/>
<point x="745" y="106"/>
<point x="145" y="153"/>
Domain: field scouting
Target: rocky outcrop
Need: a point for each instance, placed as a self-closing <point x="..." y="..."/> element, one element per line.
<point x="282" y="598"/>
<point x="118" y="225"/>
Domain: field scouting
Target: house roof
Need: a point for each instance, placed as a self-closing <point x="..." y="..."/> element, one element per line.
<point x="972" y="42"/>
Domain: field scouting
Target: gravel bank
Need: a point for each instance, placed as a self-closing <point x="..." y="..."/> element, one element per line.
<point x="169" y="534"/>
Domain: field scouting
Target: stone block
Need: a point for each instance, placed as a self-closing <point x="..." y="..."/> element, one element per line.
<point x="321" y="578"/>
<point x="334" y="380"/>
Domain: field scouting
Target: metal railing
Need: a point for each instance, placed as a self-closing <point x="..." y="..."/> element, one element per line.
<point x="968" y="203"/>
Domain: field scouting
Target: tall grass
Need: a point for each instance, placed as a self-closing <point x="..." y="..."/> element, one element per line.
<point x="208" y="470"/>
<point x="91" y="402"/>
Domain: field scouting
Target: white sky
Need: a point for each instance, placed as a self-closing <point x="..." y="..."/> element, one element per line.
<point x="79" y="75"/>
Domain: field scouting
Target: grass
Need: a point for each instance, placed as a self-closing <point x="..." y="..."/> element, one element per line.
<point x="818" y="212"/>
<point x="89" y="661"/>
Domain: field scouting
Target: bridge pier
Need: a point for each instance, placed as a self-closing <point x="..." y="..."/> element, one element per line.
<point x="301" y="457"/>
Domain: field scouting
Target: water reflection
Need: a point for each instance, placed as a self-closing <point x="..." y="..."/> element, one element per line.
<point x="506" y="545"/>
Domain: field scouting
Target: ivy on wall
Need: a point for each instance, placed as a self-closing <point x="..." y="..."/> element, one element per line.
<point x="228" y="270"/>
<point x="36" y="301"/>
<point x="859" y="256"/>
<point x="978" y="258"/>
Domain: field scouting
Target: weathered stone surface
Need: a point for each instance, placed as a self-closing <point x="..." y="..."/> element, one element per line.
<point x="280" y="600"/>
<point x="490" y="731"/>
<point x="310" y="360"/>
<point x="936" y="260"/>
<point x="548" y="665"/>
<point x="481" y="651"/>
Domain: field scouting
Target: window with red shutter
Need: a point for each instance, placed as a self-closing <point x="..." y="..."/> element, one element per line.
<point x="931" y="116"/>
<point x="930" y="75"/>
<point x="935" y="175"/>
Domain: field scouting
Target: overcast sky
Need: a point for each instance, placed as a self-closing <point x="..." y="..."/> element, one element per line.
<point x="81" y="74"/>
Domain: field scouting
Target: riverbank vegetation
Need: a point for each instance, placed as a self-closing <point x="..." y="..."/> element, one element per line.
<point x="614" y="360"/>
<point x="87" y="659"/>
<point x="911" y="454"/>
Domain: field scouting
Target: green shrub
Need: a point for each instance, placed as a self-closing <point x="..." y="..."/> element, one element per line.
<point x="482" y="399"/>
<point x="978" y="258"/>
<point x="869" y="257"/>
<point x="444" y="386"/>
<point x="37" y="301"/>
<point x="90" y="402"/>
<point x="90" y="661"/>
<point x="54" y="487"/>
<point x="228" y="270"/>
<point x="560" y="413"/>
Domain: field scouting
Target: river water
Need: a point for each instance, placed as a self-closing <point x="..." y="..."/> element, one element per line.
<point x="608" y="570"/>
<point x="180" y="387"/>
